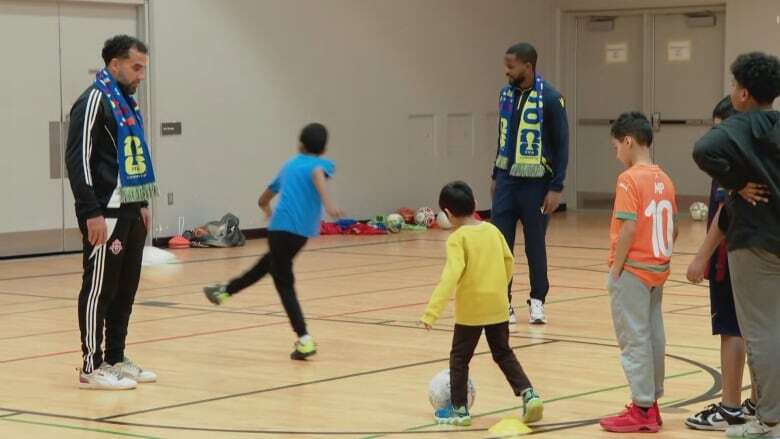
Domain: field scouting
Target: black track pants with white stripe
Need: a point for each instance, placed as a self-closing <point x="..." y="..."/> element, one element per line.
<point x="111" y="275"/>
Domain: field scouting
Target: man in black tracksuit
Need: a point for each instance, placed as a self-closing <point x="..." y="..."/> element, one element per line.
<point x="113" y="233"/>
<point x="742" y="150"/>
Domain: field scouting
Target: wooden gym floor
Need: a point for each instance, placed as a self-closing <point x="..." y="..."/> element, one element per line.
<point x="225" y="371"/>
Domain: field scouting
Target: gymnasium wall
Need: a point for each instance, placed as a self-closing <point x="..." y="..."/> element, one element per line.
<point x="751" y="25"/>
<point x="408" y="89"/>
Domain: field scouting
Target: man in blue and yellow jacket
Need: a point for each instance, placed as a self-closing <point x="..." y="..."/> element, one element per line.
<point x="530" y="166"/>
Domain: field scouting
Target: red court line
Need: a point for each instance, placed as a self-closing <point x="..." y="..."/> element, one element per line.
<point x="372" y="310"/>
<point x="152" y="340"/>
<point x="198" y="334"/>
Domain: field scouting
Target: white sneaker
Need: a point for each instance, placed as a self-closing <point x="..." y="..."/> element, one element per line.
<point x="512" y="316"/>
<point x="105" y="378"/>
<point x="536" y="311"/>
<point x="753" y="429"/>
<point x="128" y="369"/>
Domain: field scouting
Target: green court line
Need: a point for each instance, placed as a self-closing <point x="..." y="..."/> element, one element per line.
<point x="668" y="403"/>
<point x="74" y="427"/>
<point x="547" y="334"/>
<point x="548" y="401"/>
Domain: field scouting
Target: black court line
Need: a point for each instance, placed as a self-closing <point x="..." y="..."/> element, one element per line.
<point x="687" y="308"/>
<point x="539" y="429"/>
<point x="306" y="250"/>
<point x="577" y="247"/>
<point x="76" y="329"/>
<point x="301" y="384"/>
<point x="195" y="261"/>
<point x="298" y="280"/>
<point x="9" y="293"/>
<point x="377" y="255"/>
<point x="28" y="311"/>
<point x="8" y="415"/>
<point x="573" y="424"/>
<point x="690" y="314"/>
<point x="202" y="283"/>
<point x="193" y="284"/>
<point x="352" y="322"/>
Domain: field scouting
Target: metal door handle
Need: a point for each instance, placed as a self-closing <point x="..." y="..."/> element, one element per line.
<point x="55" y="153"/>
<point x="656" y="121"/>
<point x="56" y="169"/>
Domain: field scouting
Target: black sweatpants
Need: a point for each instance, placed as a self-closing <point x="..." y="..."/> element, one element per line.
<point x="278" y="262"/>
<point x="464" y="342"/>
<point x="520" y="199"/>
<point x="111" y="274"/>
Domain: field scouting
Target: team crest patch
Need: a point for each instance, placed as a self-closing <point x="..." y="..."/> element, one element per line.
<point x="116" y="247"/>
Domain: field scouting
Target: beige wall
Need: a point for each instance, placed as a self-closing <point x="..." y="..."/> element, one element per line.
<point x="751" y="25"/>
<point x="243" y="76"/>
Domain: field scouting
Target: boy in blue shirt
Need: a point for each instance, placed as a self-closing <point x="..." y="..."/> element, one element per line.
<point x="301" y="186"/>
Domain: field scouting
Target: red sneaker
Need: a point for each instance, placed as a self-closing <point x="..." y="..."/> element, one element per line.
<point x="658" y="414"/>
<point x="632" y="420"/>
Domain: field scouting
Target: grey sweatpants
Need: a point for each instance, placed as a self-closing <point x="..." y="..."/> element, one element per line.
<point x="639" y="327"/>
<point x="755" y="278"/>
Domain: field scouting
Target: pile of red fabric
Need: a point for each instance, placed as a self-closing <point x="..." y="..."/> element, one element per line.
<point x="350" y="227"/>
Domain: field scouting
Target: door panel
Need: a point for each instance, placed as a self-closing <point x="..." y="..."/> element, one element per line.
<point x="688" y="82"/>
<point x="29" y="118"/>
<point x="84" y="30"/>
<point x="606" y="87"/>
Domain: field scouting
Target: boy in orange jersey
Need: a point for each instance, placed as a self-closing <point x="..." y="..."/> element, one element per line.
<point x="642" y="236"/>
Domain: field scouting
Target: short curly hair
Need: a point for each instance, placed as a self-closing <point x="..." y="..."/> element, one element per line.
<point x="759" y="73"/>
<point x="634" y="124"/>
<point x="724" y="109"/>
<point x="119" y="47"/>
<point x="458" y="198"/>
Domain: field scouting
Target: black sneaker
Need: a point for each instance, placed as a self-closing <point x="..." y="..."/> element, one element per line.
<point x="216" y="294"/>
<point x="749" y="408"/>
<point x="715" y="418"/>
<point x="303" y="350"/>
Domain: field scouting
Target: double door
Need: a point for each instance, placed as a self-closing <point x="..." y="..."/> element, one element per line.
<point x="51" y="52"/>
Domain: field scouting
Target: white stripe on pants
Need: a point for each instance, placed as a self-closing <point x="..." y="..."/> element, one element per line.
<point x="755" y="277"/>
<point x="639" y="327"/>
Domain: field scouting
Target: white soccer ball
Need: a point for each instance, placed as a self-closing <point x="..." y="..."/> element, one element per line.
<point x="394" y="222"/>
<point x="439" y="390"/>
<point x="699" y="211"/>
<point x="443" y="221"/>
<point x="425" y="217"/>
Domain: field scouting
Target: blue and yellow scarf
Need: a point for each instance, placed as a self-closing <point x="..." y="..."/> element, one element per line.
<point x="529" y="161"/>
<point x="135" y="164"/>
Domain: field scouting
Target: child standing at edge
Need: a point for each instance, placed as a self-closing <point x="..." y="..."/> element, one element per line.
<point x="642" y="237"/>
<point x="479" y="268"/>
<point x="301" y="185"/>
<point x="711" y="262"/>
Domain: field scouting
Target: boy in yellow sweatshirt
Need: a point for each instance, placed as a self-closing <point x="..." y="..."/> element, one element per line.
<point x="479" y="268"/>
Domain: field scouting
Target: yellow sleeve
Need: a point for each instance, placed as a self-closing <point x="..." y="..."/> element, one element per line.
<point x="453" y="270"/>
<point x="509" y="259"/>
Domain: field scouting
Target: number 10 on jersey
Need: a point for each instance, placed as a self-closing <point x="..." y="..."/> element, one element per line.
<point x="662" y="214"/>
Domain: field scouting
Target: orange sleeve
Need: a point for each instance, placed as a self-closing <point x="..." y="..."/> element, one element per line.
<point x="626" y="199"/>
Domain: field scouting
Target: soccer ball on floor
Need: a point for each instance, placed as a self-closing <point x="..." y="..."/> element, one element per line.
<point x="699" y="211"/>
<point x="394" y="222"/>
<point x="425" y="217"/>
<point x="439" y="390"/>
<point x="443" y="221"/>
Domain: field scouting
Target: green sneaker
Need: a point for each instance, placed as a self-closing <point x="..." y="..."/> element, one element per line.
<point x="453" y="416"/>
<point x="533" y="409"/>
<point x="303" y="350"/>
<point x="216" y="294"/>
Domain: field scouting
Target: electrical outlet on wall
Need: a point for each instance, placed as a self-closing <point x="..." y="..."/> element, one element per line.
<point x="170" y="198"/>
